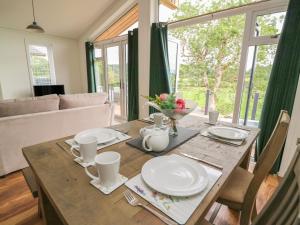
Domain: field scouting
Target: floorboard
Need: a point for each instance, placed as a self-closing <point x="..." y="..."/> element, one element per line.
<point x="18" y="207"/>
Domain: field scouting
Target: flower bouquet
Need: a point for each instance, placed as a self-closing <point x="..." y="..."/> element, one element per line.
<point x="172" y="107"/>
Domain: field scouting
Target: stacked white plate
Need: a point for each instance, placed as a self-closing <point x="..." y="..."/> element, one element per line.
<point x="229" y="133"/>
<point x="175" y="176"/>
<point x="103" y="135"/>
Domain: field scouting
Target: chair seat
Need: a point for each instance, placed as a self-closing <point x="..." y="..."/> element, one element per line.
<point x="234" y="192"/>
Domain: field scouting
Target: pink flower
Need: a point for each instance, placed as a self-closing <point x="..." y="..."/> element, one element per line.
<point x="163" y="97"/>
<point x="180" y="104"/>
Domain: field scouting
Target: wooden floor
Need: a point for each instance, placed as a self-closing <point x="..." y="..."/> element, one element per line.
<point x="18" y="207"/>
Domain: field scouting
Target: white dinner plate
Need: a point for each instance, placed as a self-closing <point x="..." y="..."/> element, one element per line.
<point x="103" y="135"/>
<point x="175" y="175"/>
<point x="228" y="133"/>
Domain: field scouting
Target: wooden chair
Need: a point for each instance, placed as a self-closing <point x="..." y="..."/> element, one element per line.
<point x="242" y="187"/>
<point x="284" y="206"/>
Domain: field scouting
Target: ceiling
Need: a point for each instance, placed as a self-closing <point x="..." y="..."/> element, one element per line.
<point x="65" y="18"/>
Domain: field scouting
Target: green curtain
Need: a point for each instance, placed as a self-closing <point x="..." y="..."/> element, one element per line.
<point x="159" y="61"/>
<point x="284" y="78"/>
<point x="133" y="79"/>
<point x="90" y="59"/>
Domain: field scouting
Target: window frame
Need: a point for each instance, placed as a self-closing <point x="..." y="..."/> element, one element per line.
<point x="250" y="12"/>
<point x="50" y="61"/>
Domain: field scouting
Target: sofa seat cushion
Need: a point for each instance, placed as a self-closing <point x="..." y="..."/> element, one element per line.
<point x="29" y="105"/>
<point x="81" y="100"/>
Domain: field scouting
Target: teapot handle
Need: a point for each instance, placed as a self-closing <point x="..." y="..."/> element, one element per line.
<point x="145" y="144"/>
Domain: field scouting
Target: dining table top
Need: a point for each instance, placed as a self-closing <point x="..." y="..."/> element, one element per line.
<point x="78" y="203"/>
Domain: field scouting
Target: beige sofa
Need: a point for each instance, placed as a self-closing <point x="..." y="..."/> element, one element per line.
<point x="65" y="115"/>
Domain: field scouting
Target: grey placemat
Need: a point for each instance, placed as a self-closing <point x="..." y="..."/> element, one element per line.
<point x="205" y="133"/>
<point x="184" y="134"/>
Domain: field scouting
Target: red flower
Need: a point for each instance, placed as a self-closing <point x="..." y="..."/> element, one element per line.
<point x="180" y="104"/>
<point x="163" y="97"/>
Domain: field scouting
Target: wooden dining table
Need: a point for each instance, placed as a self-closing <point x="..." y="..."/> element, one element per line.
<point x="67" y="198"/>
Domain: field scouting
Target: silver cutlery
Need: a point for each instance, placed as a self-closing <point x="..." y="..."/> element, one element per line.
<point x="132" y="200"/>
<point x="201" y="160"/>
<point x="124" y="133"/>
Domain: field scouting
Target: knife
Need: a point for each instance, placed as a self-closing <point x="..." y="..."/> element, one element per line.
<point x="201" y="160"/>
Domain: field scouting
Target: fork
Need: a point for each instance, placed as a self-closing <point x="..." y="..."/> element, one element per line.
<point x="132" y="200"/>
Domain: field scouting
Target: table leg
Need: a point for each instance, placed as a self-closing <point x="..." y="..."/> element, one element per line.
<point x="49" y="214"/>
<point x="246" y="161"/>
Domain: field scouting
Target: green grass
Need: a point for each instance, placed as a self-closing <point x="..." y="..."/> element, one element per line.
<point x="225" y="99"/>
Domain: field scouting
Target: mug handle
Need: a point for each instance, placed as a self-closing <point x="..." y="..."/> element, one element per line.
<point x="73" y="153"/>
<point x="145" y="146"/>
<point x="91" y="175"/>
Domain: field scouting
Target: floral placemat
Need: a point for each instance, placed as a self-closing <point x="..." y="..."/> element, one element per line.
<point x="178" y="208"/>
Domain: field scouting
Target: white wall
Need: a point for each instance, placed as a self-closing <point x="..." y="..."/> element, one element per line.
<point x="14" y="73"/>
<point x="293" y="134"/>
<point x="148" y="14"/>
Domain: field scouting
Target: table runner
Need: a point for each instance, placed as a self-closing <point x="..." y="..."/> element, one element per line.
<point x="178" y="208"/>
<point x="184" y="134"/>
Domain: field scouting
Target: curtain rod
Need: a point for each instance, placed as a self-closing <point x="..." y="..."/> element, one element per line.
<point x="219" y="11"/>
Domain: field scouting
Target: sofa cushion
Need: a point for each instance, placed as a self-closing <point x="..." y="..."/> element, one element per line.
<point x="51" y="96"/>
<point x="81" y="100"/>
<point x="29" y="105"/>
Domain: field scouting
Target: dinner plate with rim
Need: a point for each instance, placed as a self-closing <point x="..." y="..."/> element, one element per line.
<point x="228" y="132"/>
<point x="103" y="135"/>
<point x="175" y="175"/>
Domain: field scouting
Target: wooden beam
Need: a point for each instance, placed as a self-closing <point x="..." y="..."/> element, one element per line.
<point x="171" y="4"/>
<point x="120" y="25"/>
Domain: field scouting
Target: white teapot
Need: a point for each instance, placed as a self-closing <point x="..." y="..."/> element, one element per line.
<point x="155" y="139"/>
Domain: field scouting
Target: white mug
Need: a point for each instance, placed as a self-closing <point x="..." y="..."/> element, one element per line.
<point x="87" y="149"/>
<point x="213" y="117"/>
<point x="156" y="140"/>
<point x="107" y="165"/>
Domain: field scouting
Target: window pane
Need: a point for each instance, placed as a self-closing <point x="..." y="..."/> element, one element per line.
<point x="39" y="63"/>
<point x="173" y="53"/>
<point x="98" y="53"/>
<point x="269" y="24"/>
<point x="209" y="61"/>
<point x="113" y="73"/>
<point x="188" y="8"/>
<point x="261" y="61"/>
<point x="100" y="78"/>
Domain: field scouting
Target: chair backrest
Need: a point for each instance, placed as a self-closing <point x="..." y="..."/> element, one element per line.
<point x="284" y="206"/>
<point x="266" y="161"/>
<point x="273" y="147"/>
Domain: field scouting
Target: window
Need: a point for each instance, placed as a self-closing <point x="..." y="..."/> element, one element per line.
<point x="41" y="65"/>
<point x="224" y="59"/>
<point x="99" y="70"/>
<point x="174" y="10"/>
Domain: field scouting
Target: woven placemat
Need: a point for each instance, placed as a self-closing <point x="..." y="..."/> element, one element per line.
<point x="184" y="134"/>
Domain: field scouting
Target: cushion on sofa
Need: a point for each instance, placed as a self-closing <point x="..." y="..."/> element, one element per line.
<point x="81" y="100"/>
<point x="51" y="96"/>
<point x="29" y="105"/>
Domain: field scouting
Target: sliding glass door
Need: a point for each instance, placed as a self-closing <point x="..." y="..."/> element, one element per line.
<point x="265" y="30"/>
<point x="225" y="60"/>
<point x="111" y="71"/>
